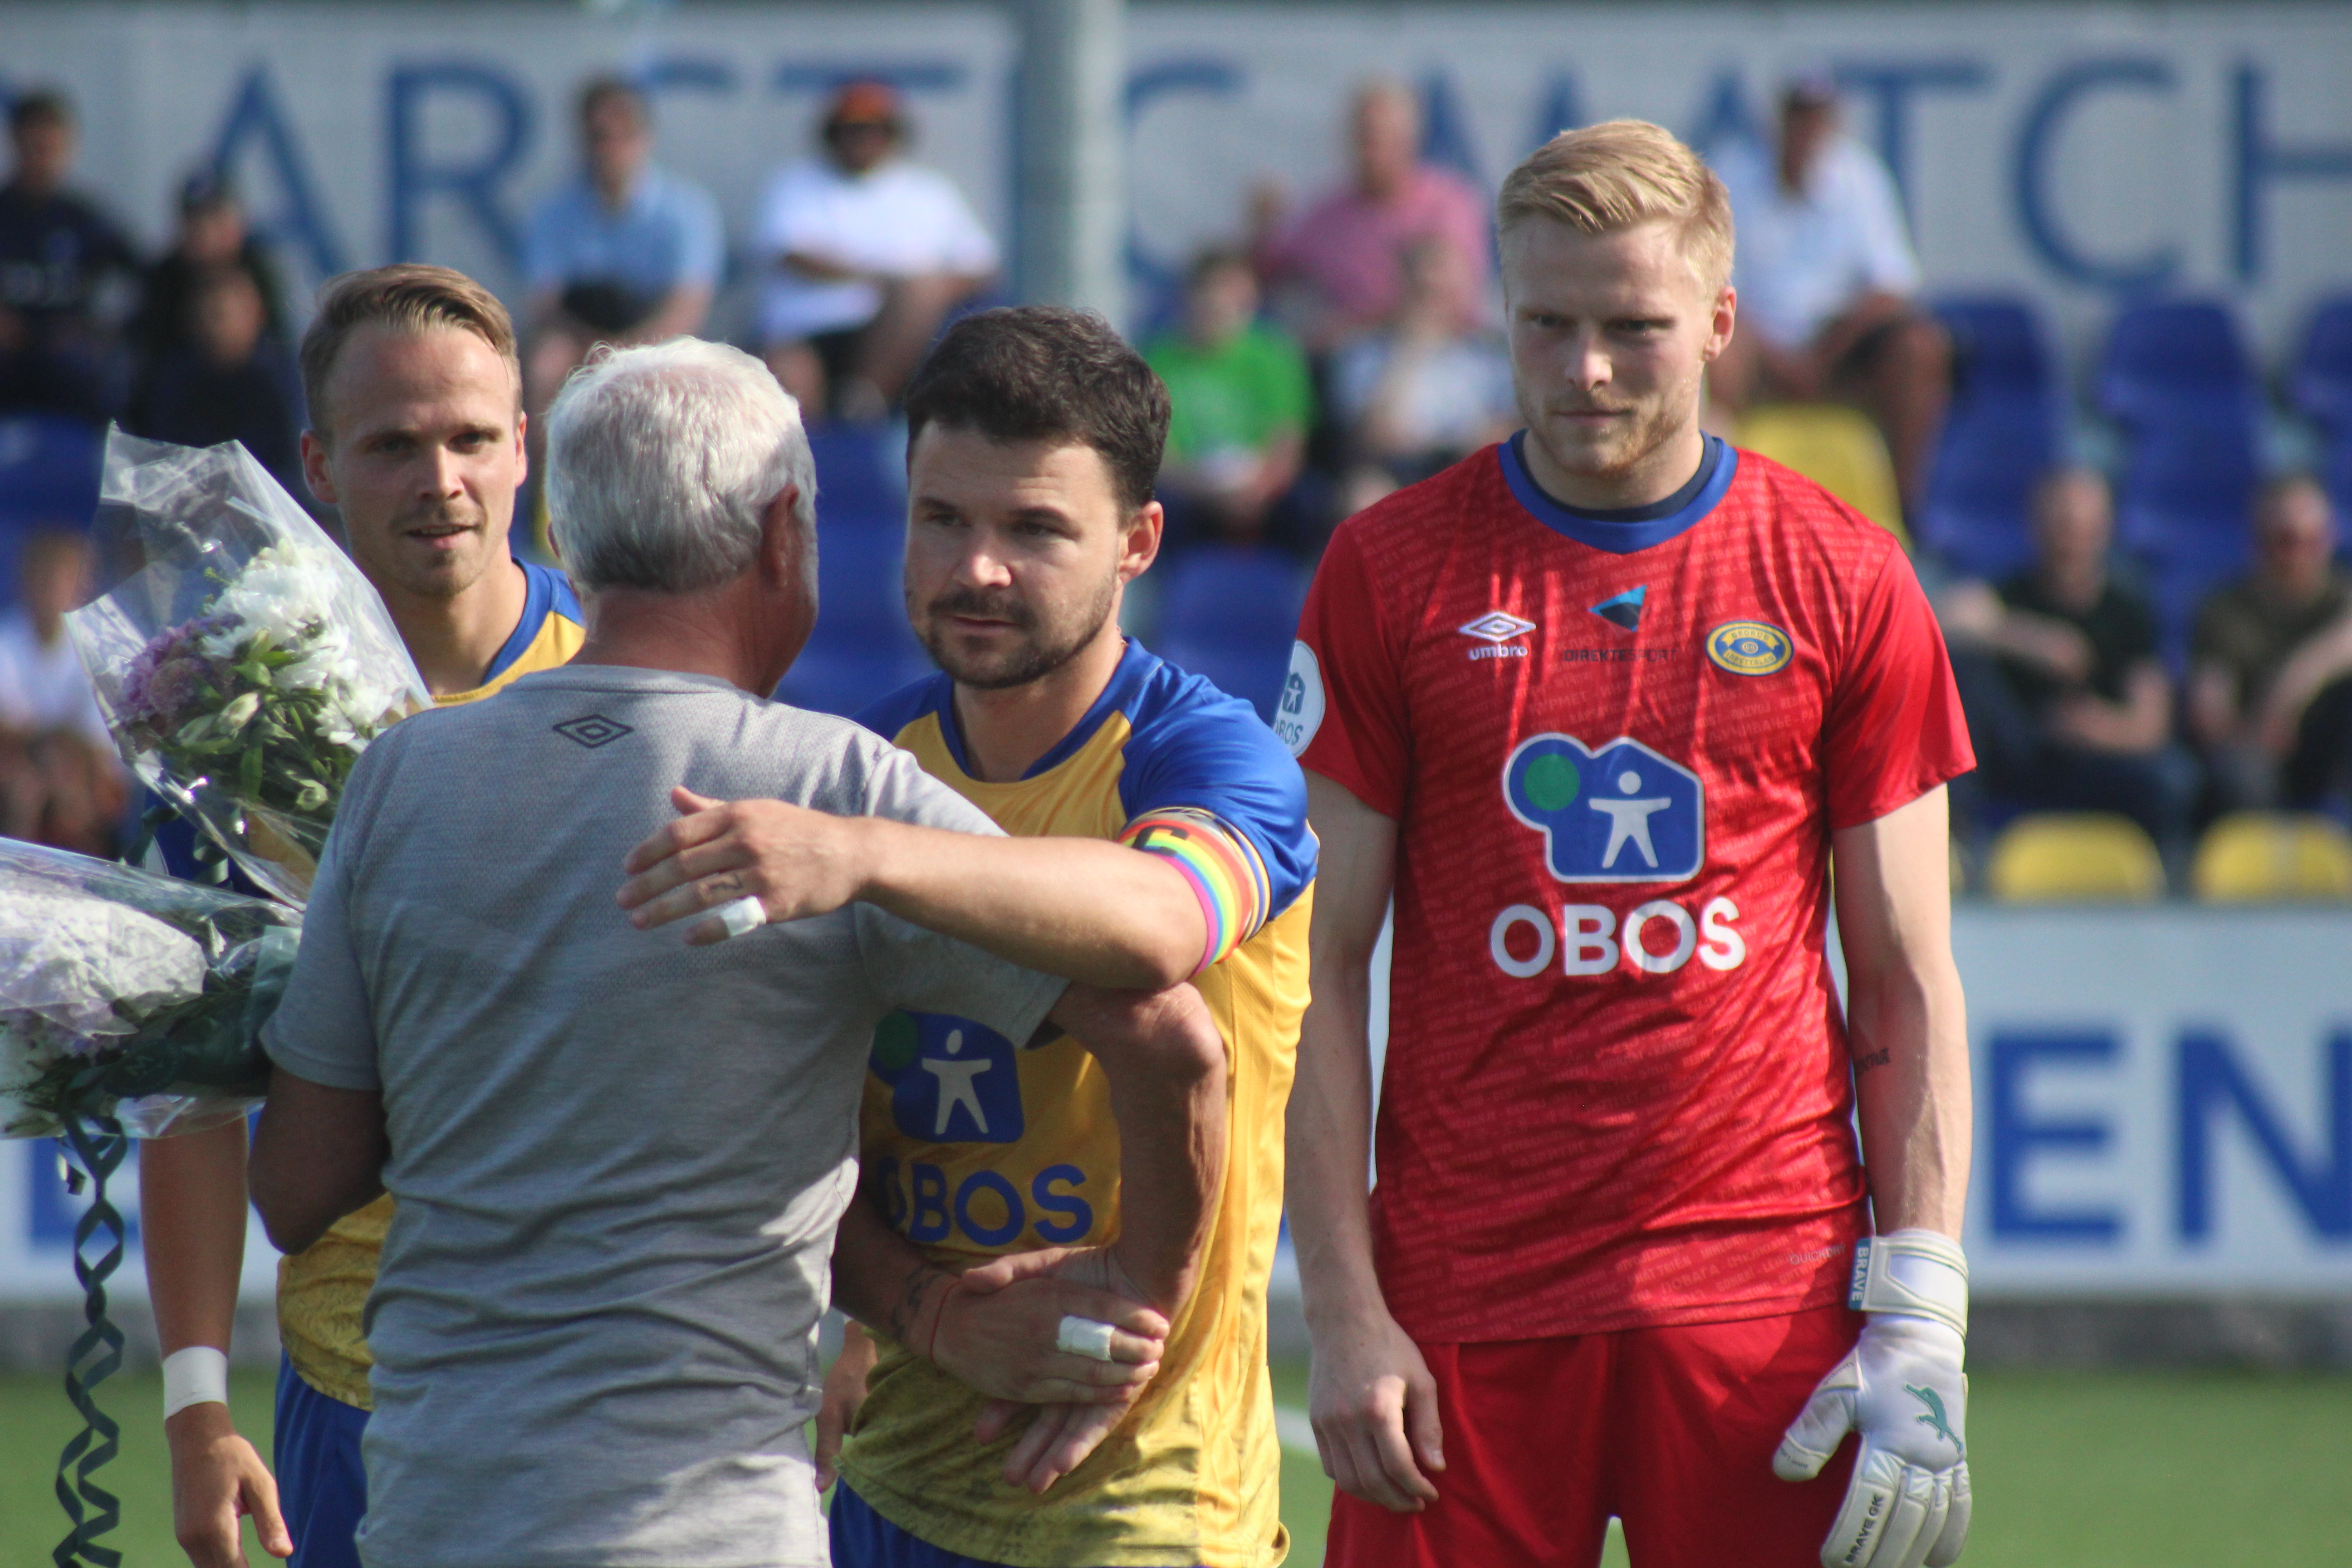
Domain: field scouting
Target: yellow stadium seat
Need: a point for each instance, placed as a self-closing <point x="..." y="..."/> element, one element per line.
<point x="2063" y="856"/>
<point x="1835" y="446"/>
<point x="2253" y="855"/>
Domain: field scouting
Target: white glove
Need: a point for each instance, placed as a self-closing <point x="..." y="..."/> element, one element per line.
<point x="1901" y="1388"/>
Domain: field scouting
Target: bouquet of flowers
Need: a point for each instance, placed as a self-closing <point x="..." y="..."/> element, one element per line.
<point x="242" y="662"/>
<point x="131" y="997"/>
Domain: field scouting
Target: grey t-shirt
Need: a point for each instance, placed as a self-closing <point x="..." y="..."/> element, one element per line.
<point x="616" y="1160"/>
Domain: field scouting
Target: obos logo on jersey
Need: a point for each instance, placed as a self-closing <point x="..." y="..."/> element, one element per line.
<point x="952" y="1080"/>
<point x="1623" y="814"/>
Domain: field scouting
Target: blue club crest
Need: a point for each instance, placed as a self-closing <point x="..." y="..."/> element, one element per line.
<point x="1623" y="814"/>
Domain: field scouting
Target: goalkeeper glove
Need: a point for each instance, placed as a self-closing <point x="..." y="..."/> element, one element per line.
<point x="1901" y="1388"/>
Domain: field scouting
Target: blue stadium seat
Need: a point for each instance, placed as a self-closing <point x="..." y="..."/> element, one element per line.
<point x="49" y="478"/>
<point x="1230" y="614"/>
<point x="862" y="648"/>
<point x="858" y="474"/>
<point x="2000" y="434"/>
<point x="2321" y="388"/>
<point x="2177" y="377"/>
<point x="2321" y="385"/>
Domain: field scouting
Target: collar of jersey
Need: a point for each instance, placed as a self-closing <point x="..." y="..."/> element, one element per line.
<point x="1617" y="535"/>
<point x="1135" y="667"/>
<point x="546" y="592"/>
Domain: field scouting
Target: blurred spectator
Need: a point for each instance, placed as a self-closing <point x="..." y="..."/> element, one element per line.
<point x="2270" y="684"/>
<point x="1825" y="273"/>
<point x="212" y="233"/>
<point x="867" y="255"/>
<point x="1339" y="269"/>
<point x="1425" y="391"/>
<point x="2067" y="704"/>
<point x="59" y="781"/>
<point x="627" y="253"/>
<point x="233" y="379"/>
<point x="1243" y="403"/>
<point x="57" y="253"/>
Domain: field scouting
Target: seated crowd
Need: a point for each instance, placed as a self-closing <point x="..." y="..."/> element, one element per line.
<point x="1338" y="352"/>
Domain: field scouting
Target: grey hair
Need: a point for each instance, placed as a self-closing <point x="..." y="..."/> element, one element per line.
<point x="660" y="460"/>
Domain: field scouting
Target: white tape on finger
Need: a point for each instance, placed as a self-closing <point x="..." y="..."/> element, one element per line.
<point x="741" y="915"/>
<point x="1083" y="1336"/>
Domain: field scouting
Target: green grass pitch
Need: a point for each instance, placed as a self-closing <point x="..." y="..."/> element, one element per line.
<point x="2072" y="1470"/>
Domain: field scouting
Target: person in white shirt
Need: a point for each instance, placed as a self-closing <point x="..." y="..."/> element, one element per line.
<point x="59" y="781"/>
<point x="1827" y="276"/>
<point x="867" y="252"/>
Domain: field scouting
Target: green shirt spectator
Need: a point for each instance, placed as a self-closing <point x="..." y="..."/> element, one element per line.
<point x="1242" y="404"/>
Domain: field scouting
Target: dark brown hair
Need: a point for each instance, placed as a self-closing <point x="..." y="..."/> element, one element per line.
<point x="1045" y="373"/>
<point x="407" y="296"/>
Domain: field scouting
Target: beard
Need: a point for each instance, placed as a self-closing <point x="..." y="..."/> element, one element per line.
<point x="445" y="575"/>
<point x="1611" y="451"/>
<point x="1044" y="645"/>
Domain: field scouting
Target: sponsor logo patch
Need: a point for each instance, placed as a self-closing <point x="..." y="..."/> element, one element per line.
<point x="1624" y="609"/>
<point x="952" y="1080"/>
<point x="1496" y="626"/>
<point x="1299" y="714"/>
<point x="1621" y="814"/>
<point x="1749" y="647"/>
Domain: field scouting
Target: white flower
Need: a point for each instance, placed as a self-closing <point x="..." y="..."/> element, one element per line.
<point x="68" y="959"/>
<point x="282" y="591"/>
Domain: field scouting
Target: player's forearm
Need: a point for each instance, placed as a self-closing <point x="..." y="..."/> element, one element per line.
<point x="192" y="1234"/>
<point x="1907" y="1025"/>
<point x="881" y="1278"/>
<point x="1164" y="1062"/>
<point x="1328" y="1146"/>
<point x="1085" y="909"/>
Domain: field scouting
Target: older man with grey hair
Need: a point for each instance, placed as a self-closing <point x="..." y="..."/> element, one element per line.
<point x="618" y="1157"/>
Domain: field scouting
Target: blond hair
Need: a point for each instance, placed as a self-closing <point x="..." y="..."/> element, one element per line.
<point x="406" y="297"/>
<point x="1616" y="175"/>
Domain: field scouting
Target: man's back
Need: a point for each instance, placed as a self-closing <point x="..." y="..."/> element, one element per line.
<point x="617" y="1160"/>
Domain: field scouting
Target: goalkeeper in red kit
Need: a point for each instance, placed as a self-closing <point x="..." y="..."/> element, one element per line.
<point x="1598" y="708"/>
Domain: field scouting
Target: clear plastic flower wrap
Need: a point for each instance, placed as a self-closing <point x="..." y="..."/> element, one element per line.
<point x="242" y="661"/>
<point x="132" y="996"/>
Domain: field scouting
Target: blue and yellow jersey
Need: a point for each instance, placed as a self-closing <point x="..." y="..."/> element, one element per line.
<point x="323" y="1291"/>
<point x="975" y="1148"/>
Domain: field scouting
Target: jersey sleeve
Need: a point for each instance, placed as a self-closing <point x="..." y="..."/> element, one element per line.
<point x="1342" y="709"/>
<point x="1895" y="729"/>
<point x="1211" y="792"/>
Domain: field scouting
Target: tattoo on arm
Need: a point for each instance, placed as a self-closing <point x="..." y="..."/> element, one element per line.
<point x="1877" y="1059"/>
<point x="910" y="1303"/>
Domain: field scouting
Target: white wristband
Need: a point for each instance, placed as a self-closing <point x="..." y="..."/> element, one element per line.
<point x="1915" y="1270"/>
<point x="742" y="915"/>
<point x="194" y="1377"/>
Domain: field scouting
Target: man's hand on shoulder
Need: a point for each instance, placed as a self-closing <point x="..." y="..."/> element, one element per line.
<point x="217" y="1478"/>
<point x="795" y="861"/>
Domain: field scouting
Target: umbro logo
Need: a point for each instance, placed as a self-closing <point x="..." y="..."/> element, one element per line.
<point x="1624" y="609"/>
<point x="593" y="730"/>
<point x="1495" y="626"/>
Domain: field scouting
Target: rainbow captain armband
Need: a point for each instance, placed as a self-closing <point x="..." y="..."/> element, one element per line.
<point x="1223" y="866"/>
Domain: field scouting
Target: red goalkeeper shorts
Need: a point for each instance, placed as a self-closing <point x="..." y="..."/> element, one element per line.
<point x="1672" y="1430"/>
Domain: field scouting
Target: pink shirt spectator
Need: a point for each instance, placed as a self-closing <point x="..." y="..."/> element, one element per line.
<point x="1348" y="247"/>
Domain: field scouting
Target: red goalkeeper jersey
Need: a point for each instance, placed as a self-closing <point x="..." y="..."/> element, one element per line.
<point x="1617" y="1090"/>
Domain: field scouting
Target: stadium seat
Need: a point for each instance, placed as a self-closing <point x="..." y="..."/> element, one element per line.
<point x="862" y="648"/>
<point x="858" y="477"/>
<point x="2321" y="385"/>
<point x="1835" y="446"/>
<point x="2253" y="856"/>
<point x="1231" y="614"/>
<point x="2001" y="435"/>
<point x="2073" y="856"/>
<point x="49" y="478"/>
<point x="2177" y="378"/>
<point x="2321" y="389"/>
